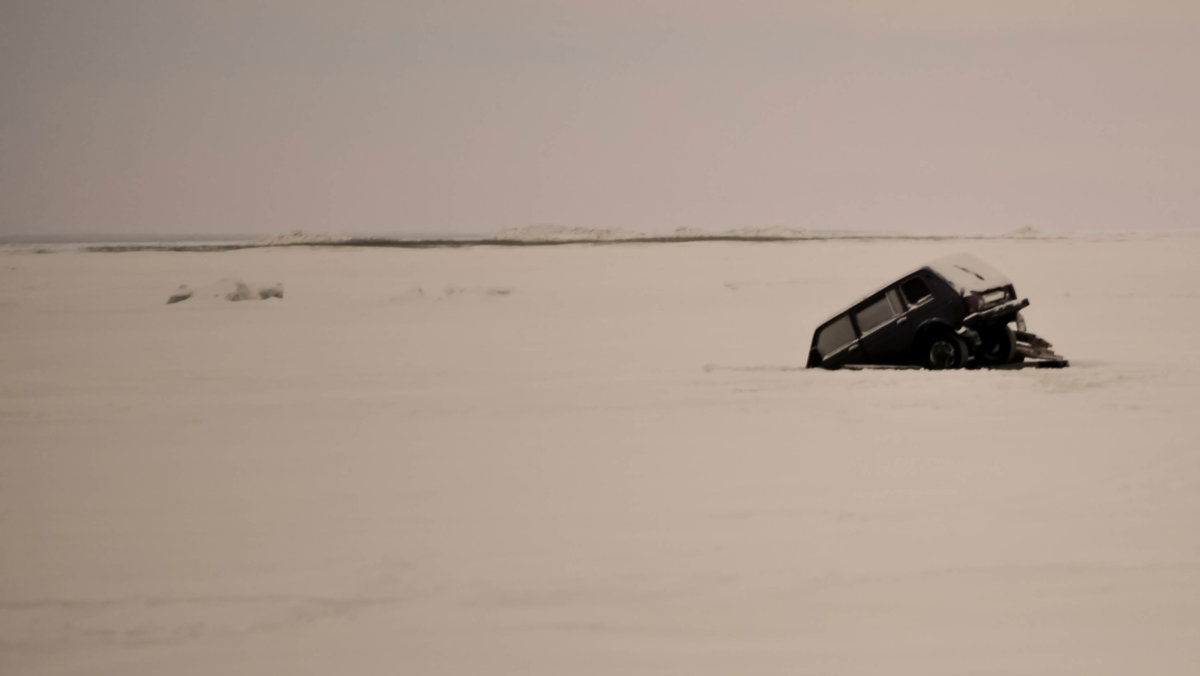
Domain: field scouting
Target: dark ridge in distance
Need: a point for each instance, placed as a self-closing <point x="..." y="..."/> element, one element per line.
<point x="373" y="242"/>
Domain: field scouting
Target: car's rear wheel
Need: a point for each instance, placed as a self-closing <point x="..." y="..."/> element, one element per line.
<point x="997" y="346"/>
<point x="943" y="350"/>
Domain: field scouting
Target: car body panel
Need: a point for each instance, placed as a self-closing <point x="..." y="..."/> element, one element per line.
<point x="889" y="324"/>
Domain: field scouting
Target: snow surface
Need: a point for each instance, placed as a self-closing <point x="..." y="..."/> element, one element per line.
<point x="967" y="273"/>
<point x="590" y="460"/>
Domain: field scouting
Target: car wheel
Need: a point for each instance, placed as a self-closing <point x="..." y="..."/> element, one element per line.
<point x="943" y="350"/>
<point x="997" y="346"/>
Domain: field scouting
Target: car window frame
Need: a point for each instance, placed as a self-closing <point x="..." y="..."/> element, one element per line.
<point x="904" y="296"/>
<point x="854" y="333"/>
<point x="874" y="299"/>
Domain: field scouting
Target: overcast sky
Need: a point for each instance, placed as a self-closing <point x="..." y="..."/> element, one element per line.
<point x="263" y="116"/>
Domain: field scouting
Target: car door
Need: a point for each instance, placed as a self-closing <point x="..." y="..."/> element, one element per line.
<point x="885" y="327"/>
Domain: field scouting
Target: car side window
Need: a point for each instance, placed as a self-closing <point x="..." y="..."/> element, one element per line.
<point x="837" y="334"/>
<point x="915" y="290"/>
<point x="875" y="313"/>
<point x="894" y="297"/>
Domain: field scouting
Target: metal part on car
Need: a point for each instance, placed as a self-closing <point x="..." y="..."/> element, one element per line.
<point x="991" y="316"/>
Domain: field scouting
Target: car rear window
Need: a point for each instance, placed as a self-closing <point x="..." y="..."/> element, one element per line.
<point x="837" y="334"/>
<point x="915" y="290"/>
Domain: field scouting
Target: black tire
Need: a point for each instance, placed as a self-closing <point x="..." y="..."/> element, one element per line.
<point x="943" y="350"/>
<point x="997" y="346"/>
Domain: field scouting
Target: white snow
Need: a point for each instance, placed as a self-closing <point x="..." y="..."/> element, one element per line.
<point x="614" y="466"/>
<point x="549" y="232"/>
<point x="300" y="237"/>
<point x="967" y="273"/>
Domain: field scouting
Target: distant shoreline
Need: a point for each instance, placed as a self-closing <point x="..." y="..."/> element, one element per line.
<point x="440" y="243"/>
<point x="198" y="245"/>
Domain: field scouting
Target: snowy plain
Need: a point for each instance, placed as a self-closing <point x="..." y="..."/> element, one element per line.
<point x="591" y="460"/>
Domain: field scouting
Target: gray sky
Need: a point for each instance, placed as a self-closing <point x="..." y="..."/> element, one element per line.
<point x="262" y="116"/>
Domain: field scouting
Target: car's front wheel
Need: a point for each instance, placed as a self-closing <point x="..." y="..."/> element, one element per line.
<point x="943" y="350"/>
<point x="997" y="346"/>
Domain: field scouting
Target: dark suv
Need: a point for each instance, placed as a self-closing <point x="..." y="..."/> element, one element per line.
<point x="951" y="313"/>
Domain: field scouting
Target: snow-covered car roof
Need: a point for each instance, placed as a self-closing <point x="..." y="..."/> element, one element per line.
<point x="967" y="273"/>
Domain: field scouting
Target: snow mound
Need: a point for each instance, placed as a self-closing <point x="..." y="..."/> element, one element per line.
<point x="1026" y="232"/>
<point x="769" y="232"/>
<point x="559" y="233"/>
<point x="563" y="233"/>
<point x="227" y="290"/>
<point x="301" y="237"/>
